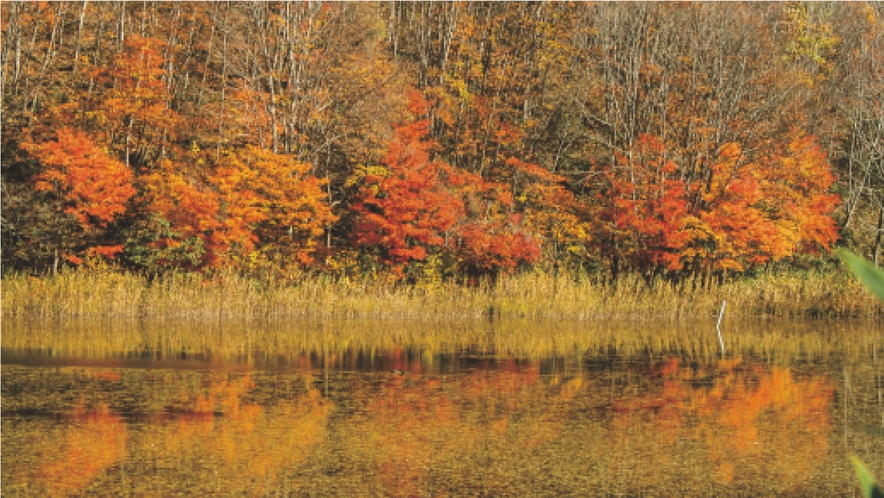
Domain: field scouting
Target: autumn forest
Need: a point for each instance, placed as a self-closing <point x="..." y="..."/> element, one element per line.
<point x="441" y="248"/>
<point x="445" y="140"/>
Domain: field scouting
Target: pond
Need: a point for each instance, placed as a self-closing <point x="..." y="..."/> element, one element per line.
<point x="577" y="410"/>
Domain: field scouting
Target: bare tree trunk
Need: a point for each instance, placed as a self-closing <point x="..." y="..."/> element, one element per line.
<point x="121" y="34"/>
<point x="79" y="34"/>
<point x="224" y="68"/>
<point x="11" y="42"/>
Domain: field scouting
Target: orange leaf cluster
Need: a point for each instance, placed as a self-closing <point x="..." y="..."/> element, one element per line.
<point x="739" y="213"/>
<point x="91" y="186"/>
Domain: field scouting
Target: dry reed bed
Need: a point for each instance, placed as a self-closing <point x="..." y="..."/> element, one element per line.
<point x="108" y="294"/>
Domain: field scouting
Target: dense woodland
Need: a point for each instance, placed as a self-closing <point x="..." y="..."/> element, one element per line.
<point x="440" y="139"/>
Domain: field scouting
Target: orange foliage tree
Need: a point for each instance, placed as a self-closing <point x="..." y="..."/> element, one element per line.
<point x="276" y="200"/>
<point x="642" y="220"/>
<point x="767" y="208"/>
<point x="552" y="212"/>
<point x="184" y="218"/>
<point x="135" y="112"/>
<point x="87" y="187"/>
<point x="738" y="212"/>
<point x="406" y="209"/>
<point x="127" y="109"/>
<point x="252" y="207"/>
<point x="413" y="207"/>
<point x="493" y="238"/>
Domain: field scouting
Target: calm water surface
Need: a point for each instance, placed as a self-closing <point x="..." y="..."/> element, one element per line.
<point x="460" y="421"/>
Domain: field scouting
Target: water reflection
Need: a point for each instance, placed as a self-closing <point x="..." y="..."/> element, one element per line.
<point x="738" y="414"/>
<point x="213" y="437"/>
<point x="92" y="441"/>
<point x="206" y="436"/>
<point x="282" y="344"/>
<point x="403" y="423"/>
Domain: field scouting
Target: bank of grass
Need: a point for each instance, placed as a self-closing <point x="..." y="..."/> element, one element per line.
<point x="109" y="294"/>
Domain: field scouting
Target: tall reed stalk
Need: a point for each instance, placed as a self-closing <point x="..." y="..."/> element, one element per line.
<point x="109" y="294"/>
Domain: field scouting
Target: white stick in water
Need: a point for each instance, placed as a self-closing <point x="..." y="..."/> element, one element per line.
<point x="718" y="326"/>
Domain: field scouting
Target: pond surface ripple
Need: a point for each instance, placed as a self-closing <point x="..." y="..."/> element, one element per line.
<point x="452" y="420"/>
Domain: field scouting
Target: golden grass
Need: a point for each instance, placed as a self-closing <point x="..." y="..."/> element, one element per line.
<point x="109" y="294"/>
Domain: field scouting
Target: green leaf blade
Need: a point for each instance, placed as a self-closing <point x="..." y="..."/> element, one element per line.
<point x="867" y="484"/>
<point x="872" y="277"/>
